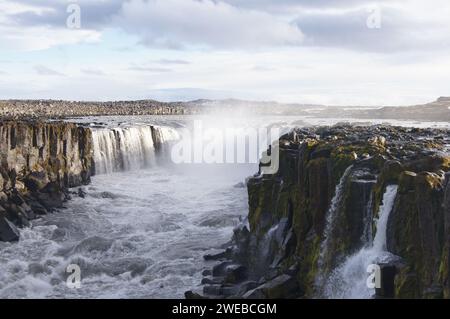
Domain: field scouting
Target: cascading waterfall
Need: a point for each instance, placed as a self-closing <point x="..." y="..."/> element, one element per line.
<point x="366" y="237"/>
<point x="349" y="280"/>
<point x="129" y="148"/>
<point x="330" y="218"/>
<point x="163" y="135"/>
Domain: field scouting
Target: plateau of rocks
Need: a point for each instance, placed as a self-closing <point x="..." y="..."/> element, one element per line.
<point x="25" y="109"/>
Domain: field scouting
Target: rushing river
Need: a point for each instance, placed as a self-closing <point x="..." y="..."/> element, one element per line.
<point x="143" y="226"/>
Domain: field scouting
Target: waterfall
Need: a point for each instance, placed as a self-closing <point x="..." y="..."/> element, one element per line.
<point x="330" y="217"/>
<point x="129" y="148"/>
<point x="163" y="135"/>
<point x="349" y="280"/>
<point x="367" y="237"/>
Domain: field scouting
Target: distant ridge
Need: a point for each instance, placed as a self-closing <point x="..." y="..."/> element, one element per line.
<point x="439" y="110"/>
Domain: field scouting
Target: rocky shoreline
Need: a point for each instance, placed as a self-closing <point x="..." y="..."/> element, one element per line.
<point x="282" y="251"/>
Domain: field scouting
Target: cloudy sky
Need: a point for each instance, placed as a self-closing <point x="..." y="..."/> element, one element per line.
<point x="391" y="52"/>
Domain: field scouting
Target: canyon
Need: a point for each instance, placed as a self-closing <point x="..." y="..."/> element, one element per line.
<point x="41" y="162"/>
<point x="345" y="197"/>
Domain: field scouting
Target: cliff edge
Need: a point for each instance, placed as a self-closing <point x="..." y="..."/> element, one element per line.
<point x="344" y="198"/>
<point x="39" y="162"/>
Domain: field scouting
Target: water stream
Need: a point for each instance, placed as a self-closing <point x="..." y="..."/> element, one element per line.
<point x="349" y="280"/>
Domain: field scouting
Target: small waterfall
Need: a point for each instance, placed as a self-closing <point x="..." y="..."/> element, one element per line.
<point x="349" y="279"/>
<point x="128" y="148"/>
<point x="330" y="217"/>
<point x="367" y="237"/>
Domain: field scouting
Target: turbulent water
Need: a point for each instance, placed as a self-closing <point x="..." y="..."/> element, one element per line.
<point x="139" y="233"/>
<point x="349" y="280"/>
<point x="144" y="225"/>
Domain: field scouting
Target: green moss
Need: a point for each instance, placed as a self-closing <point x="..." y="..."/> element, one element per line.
<point x="444" y="271"/>
<point x="406" y="285"/>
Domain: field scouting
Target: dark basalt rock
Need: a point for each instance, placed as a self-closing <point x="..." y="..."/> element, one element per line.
<point x="235" y="274"/>
<point x="281" y="287"/>
<point x="280" y="243"/>
<point x="8" y="232"/>
<point x="39" y="161"/>
<point x="193" y="295"/>
<point x="387" y="289"/>
<point x="219" y="256"/>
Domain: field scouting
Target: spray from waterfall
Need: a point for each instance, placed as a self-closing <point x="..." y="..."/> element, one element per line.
<point x="349" y="280"/>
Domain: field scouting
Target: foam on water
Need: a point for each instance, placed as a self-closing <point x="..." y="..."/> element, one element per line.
<point x="137" y="234"/>
<point x="142" y="233"/>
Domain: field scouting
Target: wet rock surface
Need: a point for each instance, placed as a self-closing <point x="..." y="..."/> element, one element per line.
<point x="39" y="162"/>
<point x="278" y="252"/>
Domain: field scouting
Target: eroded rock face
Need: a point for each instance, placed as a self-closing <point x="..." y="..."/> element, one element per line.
<point x="290" y="233"/>
<point x="416" y="231"/>
<point x="39" y="161"/>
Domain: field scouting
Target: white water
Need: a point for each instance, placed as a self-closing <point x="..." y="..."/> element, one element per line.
<point x="129" y="148"/>
<point x="329" y="223"/>
<point x="349" y="280"/>
<point x="140" y="233"/>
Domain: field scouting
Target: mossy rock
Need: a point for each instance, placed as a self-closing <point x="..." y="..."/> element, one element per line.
<point x="406" y="285"/>
<point x="407" y="182"/>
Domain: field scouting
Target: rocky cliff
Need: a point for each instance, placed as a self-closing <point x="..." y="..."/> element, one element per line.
<point x="312" y="227"/>
<point x="39" y="162"/>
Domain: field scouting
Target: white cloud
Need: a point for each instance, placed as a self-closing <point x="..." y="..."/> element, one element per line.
<point x="150" y="69"/>
<point x="328" y="56"/>
<point x="43" y="70"/>
<point x="15" y="35"/>
<point x="404" y="26"/>
<point x="186" y="23"/>
<point x="40" y="38"/>
<point x="93" y="71"/>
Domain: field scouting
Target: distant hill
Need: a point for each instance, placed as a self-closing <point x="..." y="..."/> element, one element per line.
<point x="438" y="110"/>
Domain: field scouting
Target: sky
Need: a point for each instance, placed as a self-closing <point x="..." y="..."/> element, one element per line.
<point x="339" y="52"/>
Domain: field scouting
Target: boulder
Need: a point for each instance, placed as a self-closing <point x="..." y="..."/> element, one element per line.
<point x="281" y="287"/>
<point x="36" y="181"/>
<point x="235" y="274"/>
<point x="8" y="232"/>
